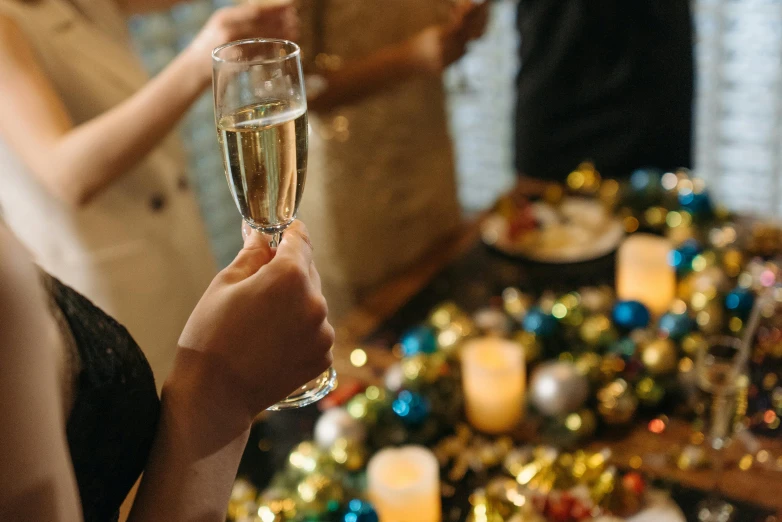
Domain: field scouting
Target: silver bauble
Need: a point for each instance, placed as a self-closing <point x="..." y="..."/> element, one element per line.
<point x="337" y="423"/>
<point x="557" y="388"/>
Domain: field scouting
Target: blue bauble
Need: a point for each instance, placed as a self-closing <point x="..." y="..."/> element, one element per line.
<point x="739" y="302"/>
<point x="418" y="340"/>
<point x="699" y="205"/>
<point x="624" y="347"/>
<point x="360" y="511"/>
<point x="540" y="323"/>
<point x="411" y="408"/>
<point x="630" y="315"/>
<point x="681" y="258"/>
<point x="676" y="326"/>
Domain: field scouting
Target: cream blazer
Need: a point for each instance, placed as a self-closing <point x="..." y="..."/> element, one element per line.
<point x="138" y="250"/>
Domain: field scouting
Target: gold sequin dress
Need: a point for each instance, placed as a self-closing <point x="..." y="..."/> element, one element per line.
<point x="381" y="189"/>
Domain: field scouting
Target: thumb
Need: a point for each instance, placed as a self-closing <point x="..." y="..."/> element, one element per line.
<point x="255" y="253"/>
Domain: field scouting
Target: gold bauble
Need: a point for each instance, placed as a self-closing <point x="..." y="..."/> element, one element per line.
<point x="317" y="494"/>
<point x="588" y="364"/>
<point x="681" y="233"/>
<point x="444" y="314"/>
<point x="531" y="345"/>
<point x="276" y="505"/>
<point x="306" y="458"/>
<point x="242" y="501"/>
<point x="732" y="262"/>
<point x="693" y="343"/>
<point x="348" y="453"/>
<point x="516" y="303"/>
<point x="582" y="423"/>
<point x="597" y="330"/>
<point x="597" y="299"/>
<point x="611" y="365"/>
<point x="711" y="318"/>
<point x="616" y="402"/>
<point x="659" y="356"/>
<point x="649" y="391"/>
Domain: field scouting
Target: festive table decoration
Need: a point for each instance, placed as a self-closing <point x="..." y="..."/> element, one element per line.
<point x="596" y="360"/>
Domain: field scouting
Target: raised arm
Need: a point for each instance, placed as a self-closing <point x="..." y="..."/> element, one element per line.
<point x="77" y="162"/>
<point x="427" y="53"/>
<point x="259" y="332"/>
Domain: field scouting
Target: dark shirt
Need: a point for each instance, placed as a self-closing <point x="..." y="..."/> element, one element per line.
<point x="606" y="80"/>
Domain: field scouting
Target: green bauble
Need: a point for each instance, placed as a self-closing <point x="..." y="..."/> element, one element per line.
<point x="318" y="495"/>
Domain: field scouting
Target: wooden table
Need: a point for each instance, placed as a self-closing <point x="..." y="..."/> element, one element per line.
<point x="758" y="486"/>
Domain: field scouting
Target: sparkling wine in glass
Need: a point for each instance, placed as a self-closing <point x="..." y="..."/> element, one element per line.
<point x="261" y="117"/>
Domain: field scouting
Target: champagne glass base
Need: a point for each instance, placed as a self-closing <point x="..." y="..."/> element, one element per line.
<point x="310" y="393"/>
<point x="715" y="510"/>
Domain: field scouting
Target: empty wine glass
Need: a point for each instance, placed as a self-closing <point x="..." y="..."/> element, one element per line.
<point x="721" y="377"/>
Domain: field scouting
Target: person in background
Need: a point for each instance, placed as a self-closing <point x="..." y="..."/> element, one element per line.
<point x="602" y="80"/>
<point x="81" y="416"/>
<point x="92" y="179"/>
<point x="381" y="188"/>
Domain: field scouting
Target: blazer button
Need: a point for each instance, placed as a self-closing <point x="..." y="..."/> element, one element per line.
<point x="157" y="202"/>
<point x="182" y="183"/>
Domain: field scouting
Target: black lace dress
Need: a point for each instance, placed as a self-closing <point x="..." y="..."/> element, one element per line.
<point x="115" y="406"/>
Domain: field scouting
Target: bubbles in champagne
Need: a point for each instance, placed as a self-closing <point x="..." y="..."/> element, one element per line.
<point x="265" y="155"/>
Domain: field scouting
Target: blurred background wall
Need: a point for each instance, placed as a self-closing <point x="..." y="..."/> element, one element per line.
<point x="738" y="143"/>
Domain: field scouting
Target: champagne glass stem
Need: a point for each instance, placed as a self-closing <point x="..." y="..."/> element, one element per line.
<point x="275" y="240"/>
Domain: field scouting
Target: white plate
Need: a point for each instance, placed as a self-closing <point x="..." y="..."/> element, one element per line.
<point x="586" y="233"/>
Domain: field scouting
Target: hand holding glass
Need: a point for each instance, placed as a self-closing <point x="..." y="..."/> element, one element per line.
<point x="261" y="117"/>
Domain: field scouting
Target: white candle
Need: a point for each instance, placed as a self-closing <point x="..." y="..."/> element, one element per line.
<point x="404" y="485"/>
<point x="644" y="274"/>
<point x="493" y="379"/>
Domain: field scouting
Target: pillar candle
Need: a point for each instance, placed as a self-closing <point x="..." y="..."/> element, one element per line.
<point x="493" y="379"/>
<point x="644" y="274"/>
<point x="404" y="485"/>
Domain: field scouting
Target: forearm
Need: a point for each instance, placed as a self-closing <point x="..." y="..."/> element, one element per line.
<point x="91" y="156"/>
<point x="366" y="76"/>
<point x="196" y="452"/>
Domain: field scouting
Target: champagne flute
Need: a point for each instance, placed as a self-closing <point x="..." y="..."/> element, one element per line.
<point x="261" y="117"/>
<point x="721" y="377"/>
